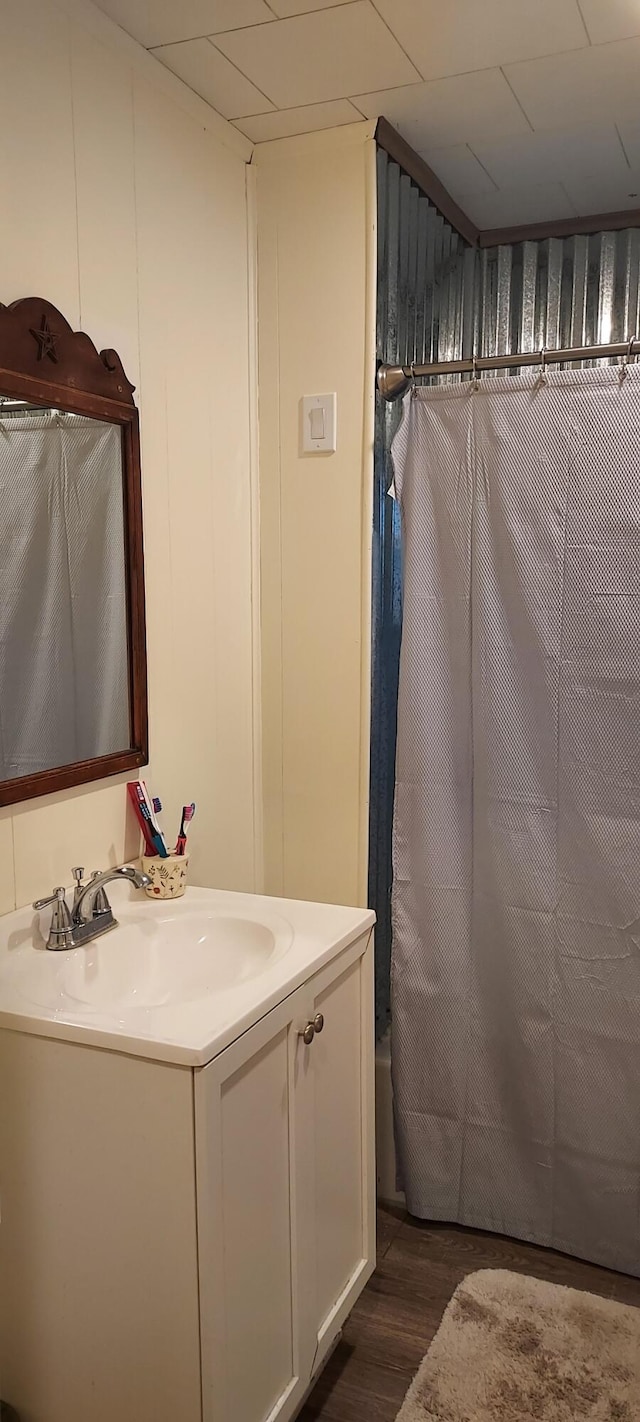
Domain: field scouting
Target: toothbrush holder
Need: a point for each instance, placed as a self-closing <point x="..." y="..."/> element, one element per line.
<point x="168" y="876"/>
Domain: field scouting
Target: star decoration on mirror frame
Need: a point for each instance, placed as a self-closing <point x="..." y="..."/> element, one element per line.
<point x="46" y="339"/>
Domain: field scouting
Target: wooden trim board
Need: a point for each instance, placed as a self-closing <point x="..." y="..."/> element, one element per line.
<point x="564" y="227"/>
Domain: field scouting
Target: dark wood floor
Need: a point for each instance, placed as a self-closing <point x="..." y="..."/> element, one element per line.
<point x="391" y="1327"/>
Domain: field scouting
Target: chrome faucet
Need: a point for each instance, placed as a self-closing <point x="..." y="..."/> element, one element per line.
<point x="91" y="913"/>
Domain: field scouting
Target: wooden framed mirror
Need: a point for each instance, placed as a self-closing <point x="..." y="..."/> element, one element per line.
<point x="73" y="677"/>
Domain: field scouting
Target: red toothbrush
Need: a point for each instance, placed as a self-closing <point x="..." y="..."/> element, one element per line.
<point x="188" y="812"/>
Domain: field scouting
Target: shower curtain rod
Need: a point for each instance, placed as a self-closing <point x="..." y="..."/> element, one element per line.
<point x="394" y="380"/>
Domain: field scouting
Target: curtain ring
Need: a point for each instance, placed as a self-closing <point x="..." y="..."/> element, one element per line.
<point x="624" y="363"/>
<point x="475" y="383"/>
<point x="412" y="368"/>
<point x="542" y="378"/>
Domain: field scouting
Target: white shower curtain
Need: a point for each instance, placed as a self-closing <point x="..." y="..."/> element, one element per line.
<point x="516" y="896"/>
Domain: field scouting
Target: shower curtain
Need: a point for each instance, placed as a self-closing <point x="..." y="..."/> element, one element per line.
<point x="516" y="895"/>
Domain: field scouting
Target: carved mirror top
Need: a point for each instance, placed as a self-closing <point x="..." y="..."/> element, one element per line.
<point x="37" y="344"/>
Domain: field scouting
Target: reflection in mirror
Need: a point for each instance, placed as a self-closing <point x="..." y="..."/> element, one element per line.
<point x="64" y="658"/>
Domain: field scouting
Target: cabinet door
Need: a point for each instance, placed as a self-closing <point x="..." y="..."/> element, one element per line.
<point x="254" y="1181"/>
<point x="343" y="1146"/>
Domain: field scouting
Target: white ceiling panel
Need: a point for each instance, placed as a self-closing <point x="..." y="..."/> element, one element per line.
<point x="210" y="75"/>
<point x="461" y="35"/>
<point x="630" y="139"/>
<point x="550" y="156"/>
<point x="329" y="54"/>
<point x="444" y="112"/>
<point x="512" y="207"/>
<point x="563" y="90"/>
<point x="601" y="194"/>
<point x="154" y="22"/>
<point x="284" y="8"/>
<point x="610" y="19"/>
<point x="286" y="122"/>
<point x="527" y="110"/>
<point x="459" y="170"/>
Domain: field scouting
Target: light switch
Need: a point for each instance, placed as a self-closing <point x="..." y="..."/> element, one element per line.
<point x="316" y="421"/>
<point x="319" y="423"/>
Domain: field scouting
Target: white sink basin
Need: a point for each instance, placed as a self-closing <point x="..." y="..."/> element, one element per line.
<point x="152" y="961"/>
<point x="175" y="981"/>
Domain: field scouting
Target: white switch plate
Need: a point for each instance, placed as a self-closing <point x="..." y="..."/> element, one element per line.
<point x="319" y="414"/>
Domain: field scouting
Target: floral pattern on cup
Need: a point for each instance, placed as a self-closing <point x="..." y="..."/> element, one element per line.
<point x="168" y="876"/>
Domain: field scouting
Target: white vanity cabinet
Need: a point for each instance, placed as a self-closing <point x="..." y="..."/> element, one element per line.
<point x="284" y="1139"/>
<point x="186" y="1242"/>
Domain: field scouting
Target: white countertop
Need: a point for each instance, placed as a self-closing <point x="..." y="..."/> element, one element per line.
<point x="187" y="1032"/>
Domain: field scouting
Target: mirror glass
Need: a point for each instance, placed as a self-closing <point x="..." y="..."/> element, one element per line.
<point x="64" y="660"/>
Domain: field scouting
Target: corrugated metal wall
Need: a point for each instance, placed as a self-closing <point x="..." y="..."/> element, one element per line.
<point x="570" y="291"/>
<point x="439" y="299"/>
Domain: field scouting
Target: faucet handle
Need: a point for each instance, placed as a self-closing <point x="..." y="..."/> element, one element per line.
<point x="57" y="895"/>
<point x="61" y="930"/>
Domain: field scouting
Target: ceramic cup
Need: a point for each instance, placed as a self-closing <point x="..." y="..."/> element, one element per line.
<point x="168" y="876"/>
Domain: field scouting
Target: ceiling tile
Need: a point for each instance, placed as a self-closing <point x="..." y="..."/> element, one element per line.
<point x="154" y="22"/>
<point x="460" y="171"/>
<point x="513" y="207"/>
<point x="598" y="194"/>
<point x="588" y="84"/>
<point x="329" y="54"/>
<point x="462" y="109"/>
<point x="308" y="119"/>
<point x="302" y="7"/>
<point x="630" y="138"/>
<point x="461" y="35"/>
<point x="610" y="19"/>
<point x="232" y="14"/>
<point x="552" y="155"/>
<point x="210" y="75"/>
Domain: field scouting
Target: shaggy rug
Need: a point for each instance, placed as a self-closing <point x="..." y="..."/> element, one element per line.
<point x="515" y="1349"/>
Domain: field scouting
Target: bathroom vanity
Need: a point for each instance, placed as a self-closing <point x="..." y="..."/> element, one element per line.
<point x="186" y="1153"/>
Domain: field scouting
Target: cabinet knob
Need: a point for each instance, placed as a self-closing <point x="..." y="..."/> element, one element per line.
<point x="308" y="1034"/>
<point x="318" y="1022"/>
